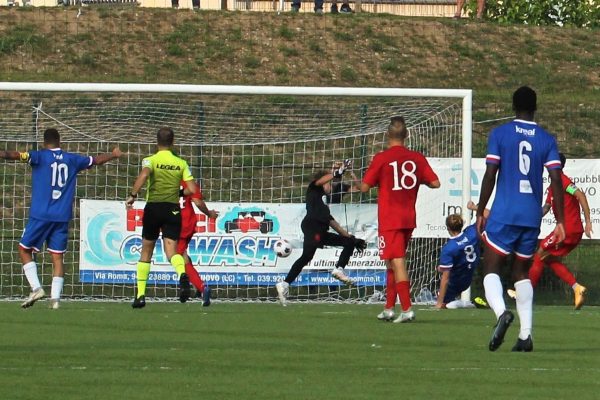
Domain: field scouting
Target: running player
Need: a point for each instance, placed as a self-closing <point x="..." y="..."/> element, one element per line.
<point x="550" y="253"/>
<point x="517" y="152"/>
<point x="188" y="228"/>
<point x="398" y="172"/>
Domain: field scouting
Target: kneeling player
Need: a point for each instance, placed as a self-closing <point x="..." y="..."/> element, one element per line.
<point x="458" y="260"/>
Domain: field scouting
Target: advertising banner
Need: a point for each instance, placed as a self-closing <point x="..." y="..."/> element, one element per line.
<point x="237" y="247"/>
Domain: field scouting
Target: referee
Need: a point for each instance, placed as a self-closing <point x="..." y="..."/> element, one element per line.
<point x="162" y="173"/>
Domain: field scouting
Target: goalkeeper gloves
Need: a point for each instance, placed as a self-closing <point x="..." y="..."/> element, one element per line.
<point x="340" y="171"/>
<point x="360" y="245"/>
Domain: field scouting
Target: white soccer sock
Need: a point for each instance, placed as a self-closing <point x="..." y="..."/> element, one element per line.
<point x="30" y="270"/>
<point x="493" y="294"/>
<point x="524" y="291"/>
<point x="57" y="287"/>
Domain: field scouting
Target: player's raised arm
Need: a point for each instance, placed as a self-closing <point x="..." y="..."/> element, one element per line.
<point x="106" y="157"/>
<point x="14" y="155"/>
<point x="137" y="186"/>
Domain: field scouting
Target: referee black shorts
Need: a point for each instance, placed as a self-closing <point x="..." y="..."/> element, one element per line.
<point x="165" y="217"/>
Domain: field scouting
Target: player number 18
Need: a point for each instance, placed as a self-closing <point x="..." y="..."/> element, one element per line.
<point x="408" y="180"/>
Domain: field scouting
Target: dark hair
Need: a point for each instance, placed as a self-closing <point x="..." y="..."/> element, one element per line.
<point x="454" y="222"/>
<point x="524" y="99"/>
<point x="319" y="174"/>
<point x="52" y="137"/>
<point x="397" y="128"/>
<point x="165" y="137"/>
<point x="563" y="159"/>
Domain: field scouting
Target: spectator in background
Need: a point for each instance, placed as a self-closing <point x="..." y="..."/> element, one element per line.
<point x="339" y="188"/>
<point x="318" y="6"/>
<point x="345" y="8"/>
<point x="461" y="3"/>
<point x="334" y="7"/>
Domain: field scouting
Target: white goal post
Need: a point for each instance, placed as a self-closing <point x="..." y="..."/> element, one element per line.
<point x="254" y="149"/>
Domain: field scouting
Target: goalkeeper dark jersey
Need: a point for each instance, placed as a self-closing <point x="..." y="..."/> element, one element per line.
<point x="317" y="211"/>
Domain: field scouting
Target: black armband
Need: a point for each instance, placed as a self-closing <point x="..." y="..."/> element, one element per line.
<point x="133" y="195"/>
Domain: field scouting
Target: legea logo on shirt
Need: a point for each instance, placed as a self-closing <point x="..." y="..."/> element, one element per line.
<point x="523" y="131"/>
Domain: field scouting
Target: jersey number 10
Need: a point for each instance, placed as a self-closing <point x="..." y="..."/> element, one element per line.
<point x="60" y="173"/>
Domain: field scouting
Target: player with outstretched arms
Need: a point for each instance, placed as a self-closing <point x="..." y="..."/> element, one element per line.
<point x="188" y="227"/>
<point x="398" y="173"/>
<point x="53" y="183"/>
<point x="517" y="153"/>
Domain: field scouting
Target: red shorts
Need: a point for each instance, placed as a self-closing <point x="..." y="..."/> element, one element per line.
<point x="561" y="249"/>
<point x="187" y="231"/>
<point x="393" y="244"/>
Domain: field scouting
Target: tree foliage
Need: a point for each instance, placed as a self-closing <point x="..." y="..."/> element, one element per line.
<point x="580" y="13"/>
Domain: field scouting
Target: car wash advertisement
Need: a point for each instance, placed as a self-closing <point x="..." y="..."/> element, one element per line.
<point x="234" y="249"/>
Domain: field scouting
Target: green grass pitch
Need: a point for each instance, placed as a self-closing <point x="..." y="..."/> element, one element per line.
<point x="94" y="350"/>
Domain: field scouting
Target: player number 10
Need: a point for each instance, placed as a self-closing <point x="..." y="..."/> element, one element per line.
<point x="60" y="172"/>
<point x="408" y="180"/>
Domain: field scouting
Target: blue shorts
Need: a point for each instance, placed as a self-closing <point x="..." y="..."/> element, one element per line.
<point x="456" y="287"/>
<point x="506" y="239"/>
<point x="55" y="234"/>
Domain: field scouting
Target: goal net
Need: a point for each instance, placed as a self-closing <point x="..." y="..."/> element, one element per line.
<point x="254" y="151"/>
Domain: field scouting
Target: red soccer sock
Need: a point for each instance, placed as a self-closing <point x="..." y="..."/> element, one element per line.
<point x="535" y="272"/>
<point x="563" y="273"/>
<point x="390" y="289"/>
<point x="194" y="277"/>
<point x="403" y="289"/>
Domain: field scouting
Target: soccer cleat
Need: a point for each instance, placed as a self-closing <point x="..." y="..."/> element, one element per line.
<point x="407" y="316"/>
<point x="480" y="303"/>
<point x="523" y="345"/>
<point x="339" y="274"/>
<point x="185" y="290"/>
<point x="139" y="302"/>
<point x="579" y="296"/>
<point x="387" y="314"/>
<point x="33" y="297"/>
<point x="54" y="304"/>
<point x="282" y="292"/>
<point x="500" y="329"/>
<point x="511" y="293"/>
<point x="206" y="296"/>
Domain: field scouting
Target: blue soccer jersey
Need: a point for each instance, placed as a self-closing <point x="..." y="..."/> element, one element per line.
<point x="53" y="181"/>
<point x="521" y="149"/>
<point x="460" y="255"/>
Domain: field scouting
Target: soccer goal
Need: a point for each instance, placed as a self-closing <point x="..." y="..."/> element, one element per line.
<point x="254" y="150"/>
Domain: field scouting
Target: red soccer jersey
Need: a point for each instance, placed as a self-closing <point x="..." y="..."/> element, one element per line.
<point x="572" y="209"/>
<point x="398" y="172"/>
<point x="188" y="215"/>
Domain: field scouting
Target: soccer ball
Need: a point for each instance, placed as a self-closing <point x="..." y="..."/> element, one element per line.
<point x="282" y="247"/>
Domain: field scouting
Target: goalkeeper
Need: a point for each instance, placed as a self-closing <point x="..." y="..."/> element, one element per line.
<point x="315" y="227"/>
